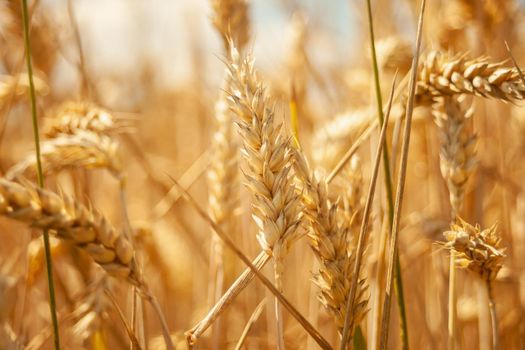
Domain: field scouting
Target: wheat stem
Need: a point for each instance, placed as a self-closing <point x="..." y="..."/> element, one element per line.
<point x="388" y="181"/>
<point x="400" y="186"/>
<point x="452" y="302"/>
<point x="364" y="225"/>
<point x="47" y="248"/>
<point x="493" y="315"/>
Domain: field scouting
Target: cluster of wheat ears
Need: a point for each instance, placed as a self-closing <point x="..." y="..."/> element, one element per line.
<point x="386" y="225"/>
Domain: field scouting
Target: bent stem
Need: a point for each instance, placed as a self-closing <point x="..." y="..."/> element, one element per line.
<point x="40" y="176"/>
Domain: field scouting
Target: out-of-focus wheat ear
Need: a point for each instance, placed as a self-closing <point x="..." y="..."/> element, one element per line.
<point x="331" y="140"/>
<point x="232" y="21"/>
<point x="73" y="116"/>
<point x="223" y="197"/>
<point x="267" y="152"/>
<point x="457" y="163"/>
<point x="458" y="148"/>
<point x="441" y="74"/>
<point x="83" y="149"/>
<point x="91" y="313"/>
<point x="394" y="54"/>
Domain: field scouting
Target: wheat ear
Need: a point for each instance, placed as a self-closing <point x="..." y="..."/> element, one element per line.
<point x="442" y="74"/>
<point x="83" y="149"/>
<point x="267" y="152"/>
<point x="480" y="252"/>
<point x="87" y="229"/>
<point x="230" y="18"/>
<point x="333" y="245"/>
<point x="73" y="116"/>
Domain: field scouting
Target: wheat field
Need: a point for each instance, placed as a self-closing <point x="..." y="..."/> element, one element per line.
<point x="252" y="174"/>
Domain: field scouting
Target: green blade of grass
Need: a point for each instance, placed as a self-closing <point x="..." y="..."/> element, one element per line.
<point x="40" y="175"/>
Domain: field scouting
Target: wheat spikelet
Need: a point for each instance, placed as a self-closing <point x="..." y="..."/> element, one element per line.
<point x="441" y="74"/>
<point x="458" y="143"/>
<point x="71" y="220"/>
<point x="477" y="250"/>
<point x="268" y="153"/>
<point x="70" y="117"/>
<point x="82" y="149"/>
<point x="230" y="18"/>
<point x="333" y="244"/>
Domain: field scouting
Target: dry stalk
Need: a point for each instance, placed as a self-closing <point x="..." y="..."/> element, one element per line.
<point x="392" y="255"/>
<point x="253" y="318"/>
<point x="227" y="298"/>
<point x="230" y="18"/>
